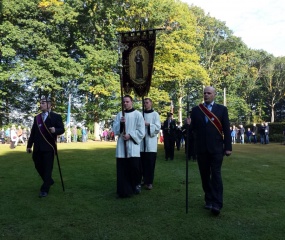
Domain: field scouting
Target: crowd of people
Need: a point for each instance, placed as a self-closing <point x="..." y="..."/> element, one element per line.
<point x="14" y="135"/>
<point x="107" y="135"/>
<point x="251" y="135"/>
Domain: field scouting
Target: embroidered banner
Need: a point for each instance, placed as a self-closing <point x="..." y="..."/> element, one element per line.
<point x="137" y="61"/>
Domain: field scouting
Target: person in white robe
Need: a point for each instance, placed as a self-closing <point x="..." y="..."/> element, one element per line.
<point x="149" y="143"/>
<point x="130" y="130"/>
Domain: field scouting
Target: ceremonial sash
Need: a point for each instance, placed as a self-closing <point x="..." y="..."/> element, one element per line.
<point x="212" y="118"/>
<point x="46" y="133"/>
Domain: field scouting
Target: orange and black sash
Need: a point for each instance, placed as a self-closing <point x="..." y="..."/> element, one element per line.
<point x="46" y="133"/>
<point x="212" y="118"/>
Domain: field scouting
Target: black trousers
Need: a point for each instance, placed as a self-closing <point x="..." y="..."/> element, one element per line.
<point x="44" y="164"/>
<point x="148" y="160"/>
<point x="210" y="171"/>
<point x="169" y="145"/>
<point x="128" y="175"/>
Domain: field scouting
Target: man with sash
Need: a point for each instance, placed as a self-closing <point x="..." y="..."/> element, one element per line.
<point x="210" y="123"/>
<point x="43" y="138"/>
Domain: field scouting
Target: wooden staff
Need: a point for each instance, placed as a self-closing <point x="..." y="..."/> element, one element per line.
<point x="187" y="156"/>
<point x="123" y="114"/>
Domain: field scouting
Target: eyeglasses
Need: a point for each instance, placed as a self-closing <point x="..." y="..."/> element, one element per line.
<point x="207" y="93"/>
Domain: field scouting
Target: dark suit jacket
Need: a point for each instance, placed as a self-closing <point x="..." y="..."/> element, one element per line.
<point x="36" y="138"/>
<point x="208" y="138"/>
<point x="169" y="131"/>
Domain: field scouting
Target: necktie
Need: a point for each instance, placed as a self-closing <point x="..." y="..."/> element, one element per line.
<point x="209" y="108"/>
<point x="44" y="116"/>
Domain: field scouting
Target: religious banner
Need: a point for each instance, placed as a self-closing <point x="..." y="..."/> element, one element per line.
<point x="137" y="61"/>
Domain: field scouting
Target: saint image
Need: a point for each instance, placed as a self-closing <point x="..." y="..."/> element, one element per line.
<point x="139" y="64"/>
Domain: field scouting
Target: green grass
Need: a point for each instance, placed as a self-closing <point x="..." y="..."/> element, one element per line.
<point x="254" y="194"/>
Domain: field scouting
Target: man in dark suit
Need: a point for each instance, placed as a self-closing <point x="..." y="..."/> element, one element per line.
<point x="169" y="130"/>
<point x="47" y="125"/>
<point x="210" y="123"/>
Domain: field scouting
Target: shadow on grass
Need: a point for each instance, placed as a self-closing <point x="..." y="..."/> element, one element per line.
<point x="88" y="209"/>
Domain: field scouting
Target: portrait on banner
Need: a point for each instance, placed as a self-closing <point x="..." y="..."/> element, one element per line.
<point x="138" y="64"/>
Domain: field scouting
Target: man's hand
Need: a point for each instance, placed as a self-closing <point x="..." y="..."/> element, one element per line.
<point x="188" y="120"/>
<point x="146" y="123"/>
<point x="123" y="119"/>
<point x="228" y="153"/>
<point x="29" y="150"/>
<point x="52" y="129"/>
<point x="126" y="137"/>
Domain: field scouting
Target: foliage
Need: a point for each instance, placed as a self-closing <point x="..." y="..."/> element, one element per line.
<point x="70" y="47"/>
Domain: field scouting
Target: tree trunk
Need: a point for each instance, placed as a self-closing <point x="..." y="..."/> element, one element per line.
<point x="272" y="113"/>
<point x="180" y="109"/>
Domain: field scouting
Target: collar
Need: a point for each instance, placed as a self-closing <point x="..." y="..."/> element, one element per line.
<point x="149" y="111"/>
<point x="211" y="104"/>
<point x="130" y="110"/>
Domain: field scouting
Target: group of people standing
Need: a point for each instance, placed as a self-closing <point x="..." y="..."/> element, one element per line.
<point x="238" y="134"/>
<point x="15" y="135"/>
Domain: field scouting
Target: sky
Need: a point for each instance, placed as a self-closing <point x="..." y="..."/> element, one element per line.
<point x="259" y="23"/>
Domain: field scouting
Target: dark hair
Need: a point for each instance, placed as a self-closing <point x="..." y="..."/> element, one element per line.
<point x="45" y="99"/>
<point x="128" y="96"/>
<point x="148" y="99"/>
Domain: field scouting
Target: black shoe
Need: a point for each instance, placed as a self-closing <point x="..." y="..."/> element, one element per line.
<point x="208" y="206"/>
<point x="138" y="189"/>
<point x="43" y="194"/>
<point x="216" y="211"/>
<point x="166" y="159"/>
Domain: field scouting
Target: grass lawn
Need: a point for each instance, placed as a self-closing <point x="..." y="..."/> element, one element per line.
<point x="254" y="197"/>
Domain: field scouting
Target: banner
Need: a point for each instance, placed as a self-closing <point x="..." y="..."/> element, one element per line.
<point x="137" y="61"/>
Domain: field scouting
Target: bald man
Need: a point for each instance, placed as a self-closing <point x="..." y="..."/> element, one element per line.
<point x="210" y="123"/>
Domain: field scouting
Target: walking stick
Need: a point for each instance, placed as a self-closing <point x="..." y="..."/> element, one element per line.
<point x="143" y="117"/>
<point x="187" y="157"/>
<point x="123" y="114"/>
<point x="62" y="184"/>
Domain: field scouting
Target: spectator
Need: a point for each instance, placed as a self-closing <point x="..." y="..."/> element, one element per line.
<point x="74" y="133"/>
<point x="8" y="135"/>
<point x="2" y="135"/>
<point x="13" y="137"/>
<point x="24" y="135"/>
<point x="254" y="133"/>
<point x="105" y="134"/>
<point x="84" y="134"/>
<point x="233" y="134"/>
<point x="68" y="135"/>
<point x="248" y="135"/>
<point x="20" y="136"/>
<point x="266" y="133"/>
<point x="242" y="131"/>
<point x="262" y="133"/>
